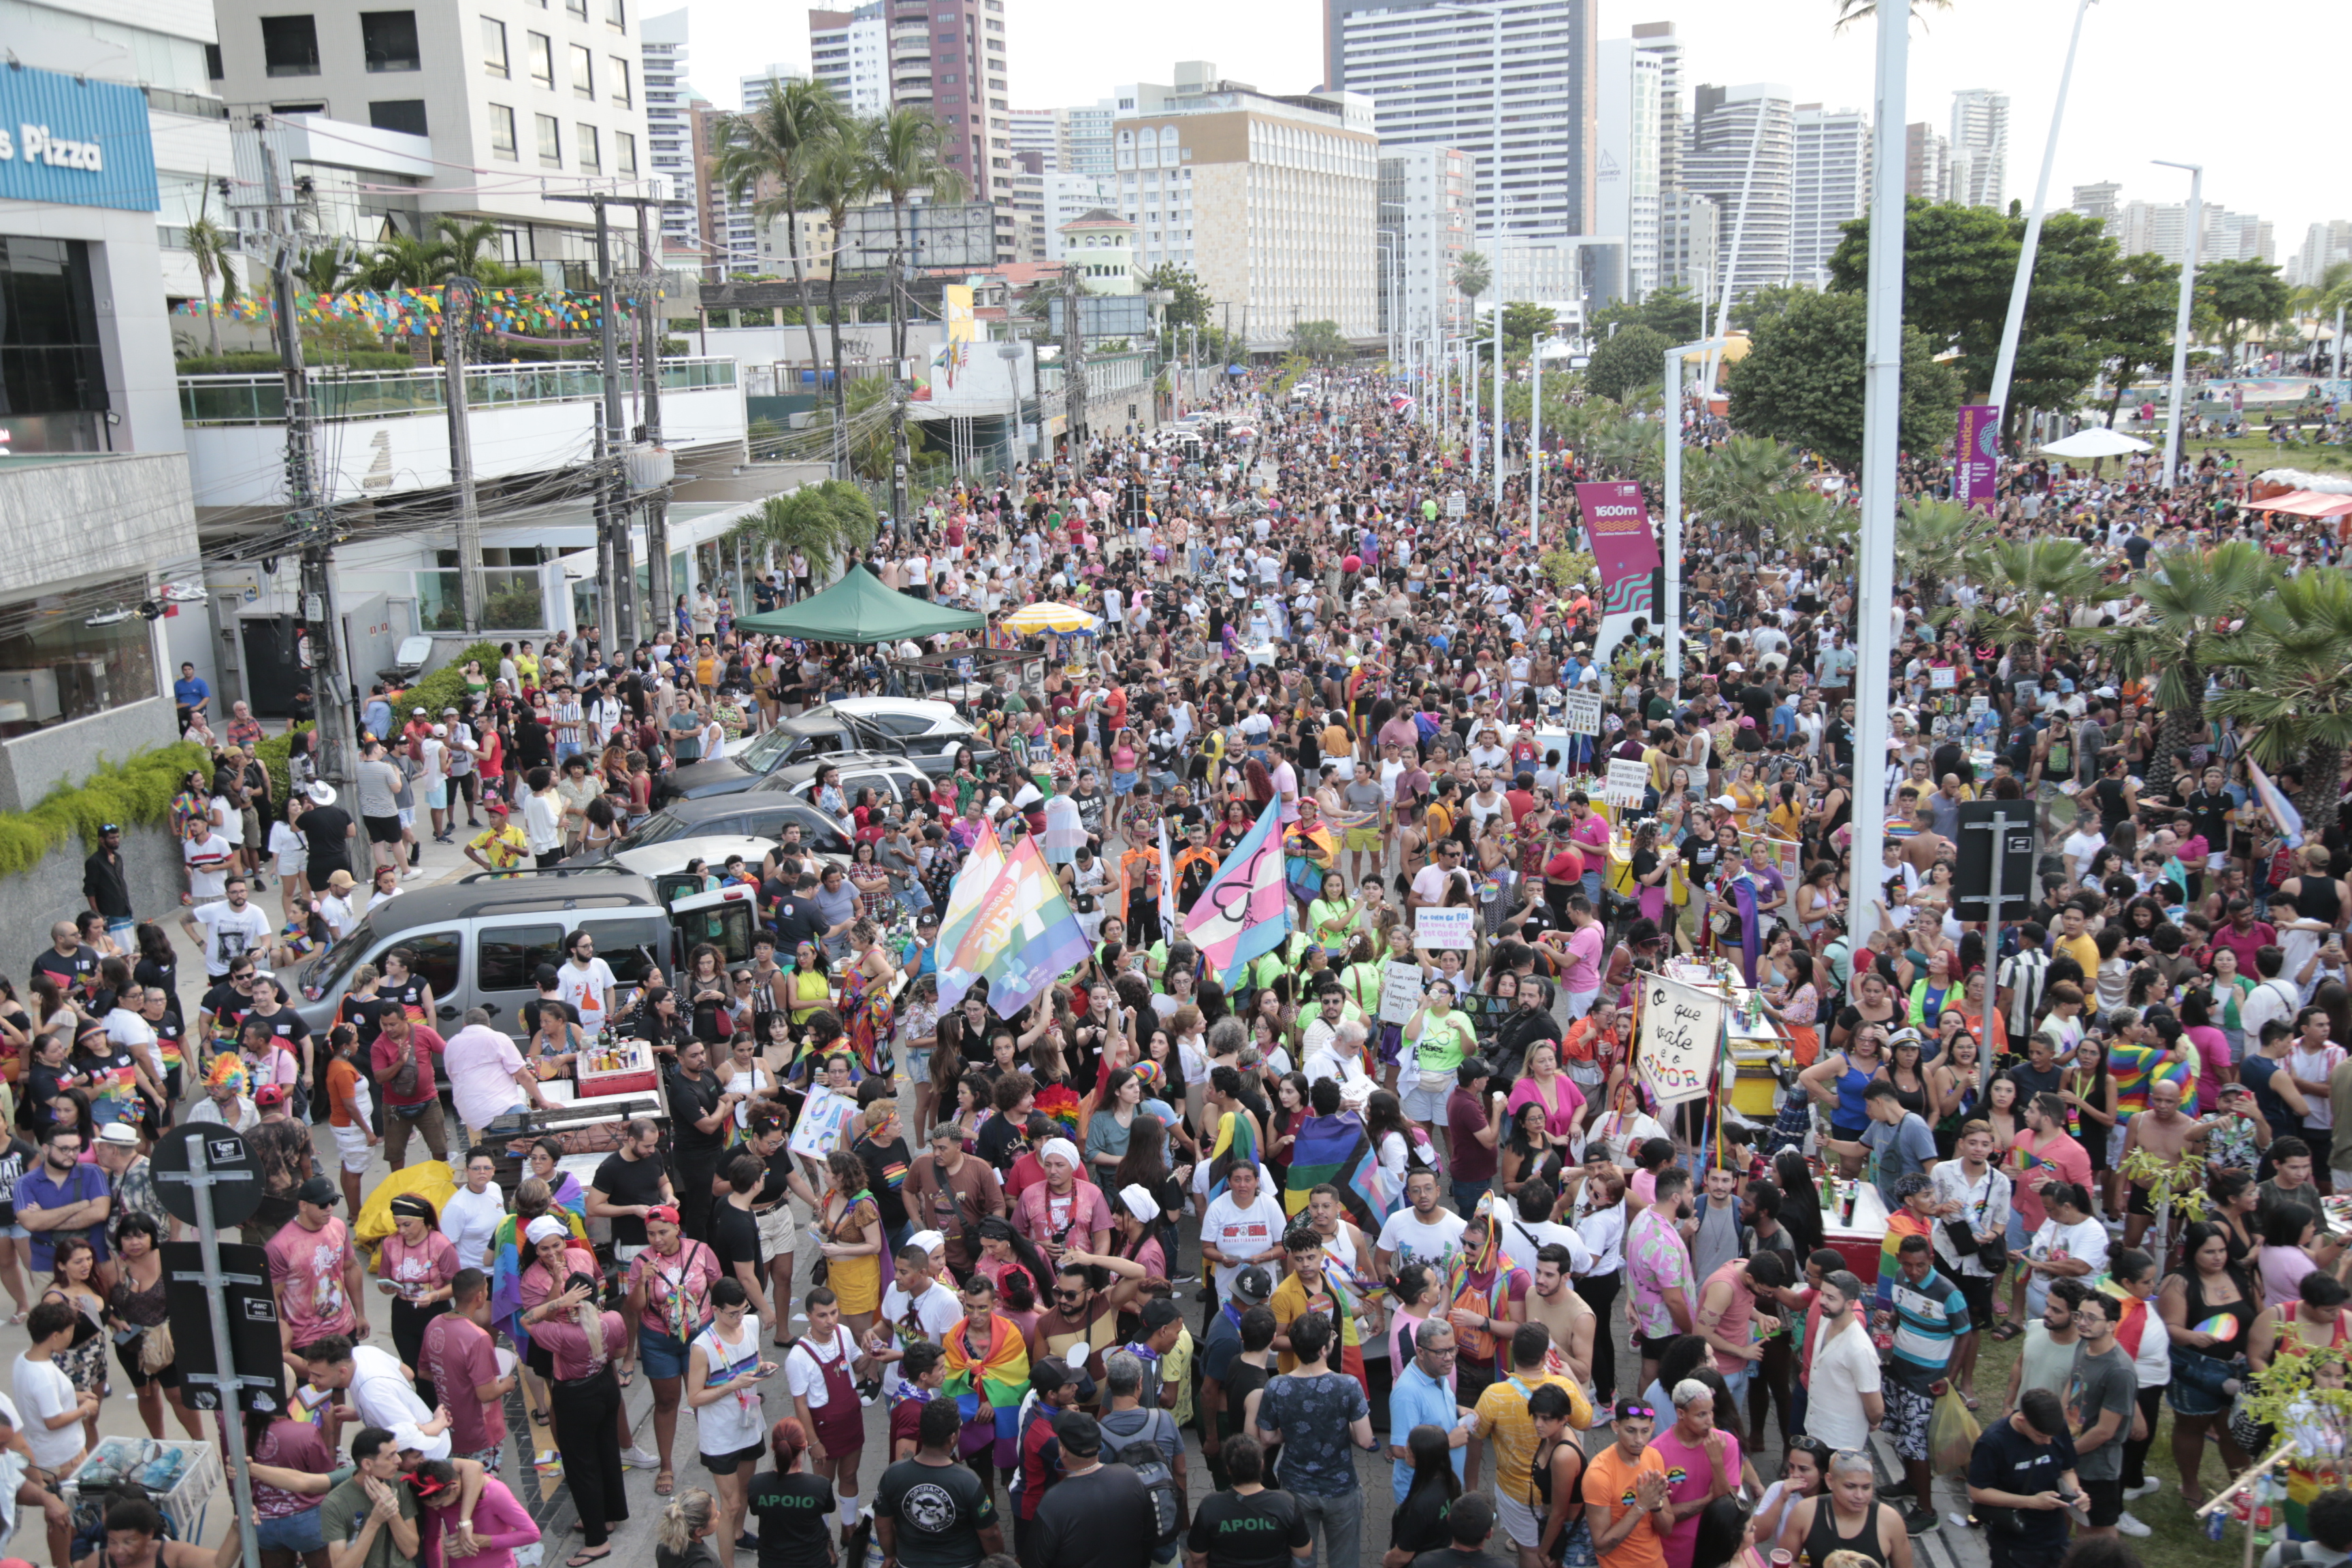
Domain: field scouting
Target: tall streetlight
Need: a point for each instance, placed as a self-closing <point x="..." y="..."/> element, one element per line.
<point x="1880" y="442"/>
<point x="2006" y="363"/>
<point x="1676" y="359"/>
<point x="2180" y="317"/>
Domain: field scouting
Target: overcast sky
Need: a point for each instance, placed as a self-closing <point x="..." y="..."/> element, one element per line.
<point x="2157" y="78"/>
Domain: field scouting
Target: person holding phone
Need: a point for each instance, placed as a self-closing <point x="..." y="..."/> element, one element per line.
<point x="724" y="1370"/>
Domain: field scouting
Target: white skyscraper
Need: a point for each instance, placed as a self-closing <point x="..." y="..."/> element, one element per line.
<point x="1426" y="208"/>
<point x="2324" y="245"/>
<point x="1430" y="72"/>
<point x="1033" y="131"/>
<point x="1743" y="158"/>
<point x="1830" y="187"/>
<point x="1626" y="176"/>
<point x="1980" y="130"/>
<point x="849" y="51"/>
<point x="669" y="125"/>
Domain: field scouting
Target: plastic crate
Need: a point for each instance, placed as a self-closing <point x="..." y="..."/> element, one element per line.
<point x="183" y="1502"/>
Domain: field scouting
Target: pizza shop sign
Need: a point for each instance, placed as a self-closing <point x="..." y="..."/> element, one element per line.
<point x="72" y="142"/>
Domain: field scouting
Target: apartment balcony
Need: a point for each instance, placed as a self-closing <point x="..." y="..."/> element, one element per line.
<point x="384" y="433"/>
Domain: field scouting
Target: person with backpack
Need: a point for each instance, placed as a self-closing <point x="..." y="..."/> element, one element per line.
<point x="1147" y="1440"/>
<point x="1097" y="1515"/>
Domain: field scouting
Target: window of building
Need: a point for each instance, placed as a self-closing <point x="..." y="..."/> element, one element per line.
<point x="583" y="72"/>
<point x="617" y="74"/>
<point x="502" y="132"/>
<point x="494" y="47"/>
<point x="541" y="49"/>
<point x="390" y="39"/>
<point x="577" y="7"/>
<point x="551" y="142"/>
<point x="615" y="17"/>
<point x="591" y="160"/>
<point x="214" y="68"/>
<point x="290" y="44"/>
<point x="625" y="154"/>
<point x="406" y="115"/>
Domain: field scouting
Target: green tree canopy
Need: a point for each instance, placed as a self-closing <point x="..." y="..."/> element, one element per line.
<point x="1522" y="324"/>
<point x="1802" y="383"/>
<point x="2243" y="296"/>
<point x="1319" y="340"/>
<point x="1671" y="312"/>
<point x="1630" y="360"/>
<point x="1189" y="304"/>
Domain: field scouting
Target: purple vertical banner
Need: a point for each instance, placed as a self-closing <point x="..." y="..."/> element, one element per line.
<point x="1976" y="455"/>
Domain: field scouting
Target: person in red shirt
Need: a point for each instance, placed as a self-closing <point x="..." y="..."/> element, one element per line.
<point x="411" y="1101"/>
<point x="1059" y="1388"/>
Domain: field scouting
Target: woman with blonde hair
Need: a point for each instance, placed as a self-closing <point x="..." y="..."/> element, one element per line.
<point x="680" y="1534"/>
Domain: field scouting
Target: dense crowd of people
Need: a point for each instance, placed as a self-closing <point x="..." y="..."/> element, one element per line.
<point x="1361" y="1195"/>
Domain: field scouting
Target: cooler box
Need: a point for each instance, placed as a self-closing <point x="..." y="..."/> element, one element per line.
<point x="626" y="1066"/>
<point x="1861" y="1239"/>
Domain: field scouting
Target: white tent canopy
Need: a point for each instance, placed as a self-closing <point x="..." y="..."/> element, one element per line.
<point x="2095" y="443"/>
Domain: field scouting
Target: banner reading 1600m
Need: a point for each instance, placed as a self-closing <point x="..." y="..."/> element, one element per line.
<point x="1625" y="552"/>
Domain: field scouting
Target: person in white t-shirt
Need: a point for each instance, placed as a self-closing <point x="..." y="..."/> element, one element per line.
<point x="916" y="1293"/>
<point x="1844" y="1402"/>
<point x="1241" y="1225"/>
<point x="1421" y="1232"/>
<point x="828" y="1348"/>
<point x="587" y="982"/>
<point x="228" y="929"/>
<point x="54" y="1411"/>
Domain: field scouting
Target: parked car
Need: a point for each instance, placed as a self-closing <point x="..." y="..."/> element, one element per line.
<point x="928" y="731"/>
<point x="478" y="941"/>
<point x="664" y="864"/>
<point x="764" y="814"/>
<point x="811" y="737"/>
<point x="891" y="778"/>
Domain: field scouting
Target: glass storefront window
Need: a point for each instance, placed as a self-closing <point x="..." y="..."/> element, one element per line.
<point x="57" y="667"/>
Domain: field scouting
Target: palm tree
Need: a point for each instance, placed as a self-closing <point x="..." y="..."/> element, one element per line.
<point x="902" y="154"/>
<point x="464" y="244"/>
<point x="1933" y="540"/>
<point x="1473" y="275"/>
<point x="2190" y="594"/>
<point x="775" y="144"/>
<point x="838" y="178"/>
<point x="1853" y="11"/>
<point x="212" y="248"/>
<point x="2316" y="302"/>
<point x="329" y="270"/>
<point x="2295" y="704"/>
<point x="404" y="261"/>
<point x="1732" y="484"/>
<point x="2032" y="573"/>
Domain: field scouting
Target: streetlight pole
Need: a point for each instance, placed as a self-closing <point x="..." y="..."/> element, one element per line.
<point x="2006" y="365"/>
<point x="1676" y="358"/>
<point x="1880" y="442"/>
<point x="2180" y="317"/>
<point x="1535" y="439"/>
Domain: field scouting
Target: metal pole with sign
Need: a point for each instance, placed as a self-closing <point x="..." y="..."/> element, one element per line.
<point x="195" y="1165"/>
<point x="2009" y="848"/>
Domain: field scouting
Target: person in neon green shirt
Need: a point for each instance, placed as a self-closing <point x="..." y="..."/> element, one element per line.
<point x="1333" y="917"/>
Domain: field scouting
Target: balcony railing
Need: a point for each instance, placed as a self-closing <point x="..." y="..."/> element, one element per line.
<point x="383" y="395"/>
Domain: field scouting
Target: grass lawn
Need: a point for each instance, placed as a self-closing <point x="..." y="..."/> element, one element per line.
<point x="2178" y="1540"/>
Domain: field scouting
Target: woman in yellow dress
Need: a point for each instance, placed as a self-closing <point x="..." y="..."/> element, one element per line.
<point x="809" y="988"/>
<point x="851" y="1229"/>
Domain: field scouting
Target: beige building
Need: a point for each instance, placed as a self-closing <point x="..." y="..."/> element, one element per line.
<point x="1272" y="202"/>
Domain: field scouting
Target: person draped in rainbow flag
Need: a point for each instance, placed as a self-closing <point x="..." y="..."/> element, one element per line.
<point x="987" y="1372"/>
<point x="1486" y="1297"/>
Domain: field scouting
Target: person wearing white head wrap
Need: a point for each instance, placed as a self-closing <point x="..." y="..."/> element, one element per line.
<point x="542" y="1228"/>
<point x="1139" y="1202"/>
<point x="1065" y="1210"/>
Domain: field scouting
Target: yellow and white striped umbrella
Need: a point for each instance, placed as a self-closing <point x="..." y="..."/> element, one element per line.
<point x="1047" y="616"/>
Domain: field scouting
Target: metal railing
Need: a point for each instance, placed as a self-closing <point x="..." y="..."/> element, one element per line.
<point x="383" y="394"/>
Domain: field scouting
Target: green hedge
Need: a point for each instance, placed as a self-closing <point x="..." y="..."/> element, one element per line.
<point x="255" y="364"/>
<point x="139" y="790"/>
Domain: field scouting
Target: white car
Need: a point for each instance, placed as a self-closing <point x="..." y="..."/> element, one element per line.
<point x="902" y="718"/>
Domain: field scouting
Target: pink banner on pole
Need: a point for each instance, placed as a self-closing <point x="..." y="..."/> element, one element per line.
<point x="1624" y="546"/>
<point x="1976" y="455"/>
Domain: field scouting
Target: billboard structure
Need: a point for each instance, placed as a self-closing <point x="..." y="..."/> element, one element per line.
<point x="962" y="235"/>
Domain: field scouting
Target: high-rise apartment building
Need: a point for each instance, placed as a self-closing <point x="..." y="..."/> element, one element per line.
<point x="1690" y="244"/>
<point x="669" y="128"/>
<point x="1025" y="193"/>
<point x="1981" y="131"/>
<point x="1271" y="200"/>
<point x="548" y="98"/>
<point x="1425" y="214"/>
<point x="2324" y="246"/>
<point x="1627" y="181"/>
<point x="849" y="51"/>
<point x="1522" y="72"/>
<point x="2096" y="200"/>
<point x="1830" y="188"/>
<point x="1924" y="154"/>
<point x="2162" y="229"/>
<point x="1658" y="40"/>
<point x="1032" y="130"/>
<point x="1743" y="158"/>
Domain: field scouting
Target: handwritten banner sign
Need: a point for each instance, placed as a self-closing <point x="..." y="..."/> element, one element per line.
<point x="1628" y="782"/>
<point x="1583" y="712"/>
<point x="1437" y="930"/>
<point x="1400" y="991"/>
<point x="1681" y="1039"/>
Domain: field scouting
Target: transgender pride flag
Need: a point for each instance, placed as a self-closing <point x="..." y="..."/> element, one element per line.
<point x="1245" y="910"/>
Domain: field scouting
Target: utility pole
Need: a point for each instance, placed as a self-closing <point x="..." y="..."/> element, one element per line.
<point x="459" y="294"/>
<point x="649" y="332"/>
<point x="1074" y="366"/>
<point x="337" y="742"/>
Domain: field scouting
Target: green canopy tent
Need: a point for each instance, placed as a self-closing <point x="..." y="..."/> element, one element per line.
<point x="860" y="609"/>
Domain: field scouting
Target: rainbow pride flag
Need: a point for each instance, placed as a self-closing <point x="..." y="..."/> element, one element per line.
<point x="997" y="1376"/>
<point x="1336" y="1149"/>
<point x="2136" y="1069"/>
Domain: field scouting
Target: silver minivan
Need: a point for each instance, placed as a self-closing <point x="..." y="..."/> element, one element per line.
<point x="478" y="941"/>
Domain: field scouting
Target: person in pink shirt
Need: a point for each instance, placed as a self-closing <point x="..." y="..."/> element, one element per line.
<point x="488" y="1540"/>
<point x="1706" y="1461"/>
<point x="460" y="1360"/>
<point x="1579" y="952"/>
<point x="314" y="1272"/>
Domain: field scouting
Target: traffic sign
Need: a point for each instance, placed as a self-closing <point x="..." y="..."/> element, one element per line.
<point x="1457" y="505"/>
<point x="251" y="1313"/>
<point x="1998" y="841"/>
<point x="230" y="1170"/>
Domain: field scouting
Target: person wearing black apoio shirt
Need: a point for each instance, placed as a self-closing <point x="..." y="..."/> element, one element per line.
<point x="793" y="1507"/>
<point x="1248" y="1525"/>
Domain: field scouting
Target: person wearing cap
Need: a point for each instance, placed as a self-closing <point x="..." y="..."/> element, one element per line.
<point x="501" y="846"/>
<point x="314" y="1271"/>
<point x="1896" y="1143"/>
<point x="328" y="832"/>
<point x="1236" y="1359"/>
<point x="281" y="1149"/>
<point x="1096" y="1514"/>
<point x="1054" y="1388"/>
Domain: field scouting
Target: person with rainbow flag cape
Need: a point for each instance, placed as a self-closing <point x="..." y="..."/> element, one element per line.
<point x="987" y="1372"/>
<point x="1315" y="1286"/>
